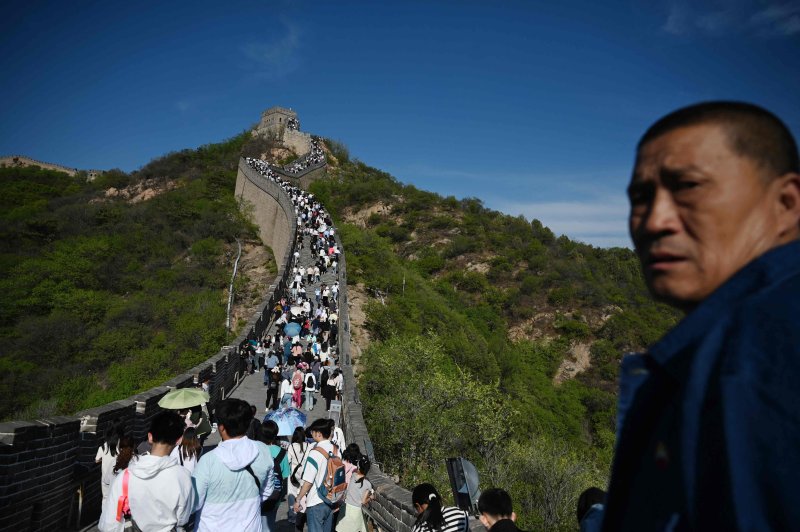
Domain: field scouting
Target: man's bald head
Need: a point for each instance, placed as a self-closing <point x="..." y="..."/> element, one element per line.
<point x="752" y="132"/>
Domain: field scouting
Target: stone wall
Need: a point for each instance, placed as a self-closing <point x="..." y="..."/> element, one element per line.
<point x="304" y="178"/>
<point x="21" y="160"/>
<point x="273" y="211"/>
<point x="297" y="141"/>
<point x="48" y="477"/>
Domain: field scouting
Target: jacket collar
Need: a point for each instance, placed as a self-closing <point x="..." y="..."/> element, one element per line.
<point x="505" y="525"/>
<point x="770" y="268"/>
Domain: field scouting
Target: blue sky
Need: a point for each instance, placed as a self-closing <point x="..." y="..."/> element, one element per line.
<point x="534" y="107"/>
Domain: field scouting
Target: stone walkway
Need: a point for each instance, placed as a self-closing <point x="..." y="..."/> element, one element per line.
<point x="252" y="389"/>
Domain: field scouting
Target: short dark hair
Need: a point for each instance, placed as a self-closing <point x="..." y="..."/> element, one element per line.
<point x="269" y="431"/>
<point x="752" y="131"/>
<point x="167" y="427"/>
<point x="235" y="415"/>
<point x="323" y="426"/>
<point x="495" y="502"/>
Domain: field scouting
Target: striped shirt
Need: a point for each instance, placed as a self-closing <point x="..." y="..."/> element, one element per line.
<point x="455" y="520"/>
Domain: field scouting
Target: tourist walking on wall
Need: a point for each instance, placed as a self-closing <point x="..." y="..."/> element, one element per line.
<point x="188" y="452"/>
<point x="297" y="454"/>
<point x="233" y="479"/>
<point x="159" y="491"/>
<point x="269" y="508"/>
<point x="359" y="493"/>
<point x="125" y="453"/>
<point x="319" y="515"/>
<point x="432" y="516"/>
<point x="310" y="385"/>
<point x="273" y="388"/>
<point x="107" y="453"/>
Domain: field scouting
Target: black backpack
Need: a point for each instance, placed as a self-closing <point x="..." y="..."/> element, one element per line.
<point x="277" y="479"/>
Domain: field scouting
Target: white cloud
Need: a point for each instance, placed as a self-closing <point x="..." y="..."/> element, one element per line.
<point x="276" y="58"/>
<point x="780" y="20"/>
<point x="715" y="17"/>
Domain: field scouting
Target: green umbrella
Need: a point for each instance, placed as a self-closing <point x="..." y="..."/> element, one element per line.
<point x="183" y="398"/>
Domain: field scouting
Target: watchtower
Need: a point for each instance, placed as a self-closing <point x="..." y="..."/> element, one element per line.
<point x="276" y="120"/>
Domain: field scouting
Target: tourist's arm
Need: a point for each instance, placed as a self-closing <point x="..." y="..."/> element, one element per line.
<point x="186" y="503"/>
<point x="200" y="478"/>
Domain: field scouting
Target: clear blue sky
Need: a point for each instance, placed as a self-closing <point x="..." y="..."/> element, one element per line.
<point x="533" y="106"/>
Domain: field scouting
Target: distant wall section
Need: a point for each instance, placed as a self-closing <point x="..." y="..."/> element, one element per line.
<point x="273" y="211"/>
<point x="21" y="161"/>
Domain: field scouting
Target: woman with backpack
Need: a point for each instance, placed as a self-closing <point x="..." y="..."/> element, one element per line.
<point x="432" y="516"/>
<point x="311" y="384"/>
<point x="297" y="455"/>
<point x="125" y="452"/>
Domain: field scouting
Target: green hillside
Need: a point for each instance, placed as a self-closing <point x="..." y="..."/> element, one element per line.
<point x="479" y="311"/>
<point x="102" y="297"/>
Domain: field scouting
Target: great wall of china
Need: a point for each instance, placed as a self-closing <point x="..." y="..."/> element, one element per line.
<point x="48" y="476"/>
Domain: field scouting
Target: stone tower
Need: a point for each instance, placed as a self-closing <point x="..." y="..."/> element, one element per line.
<point x="276" y="120"/>
<point x="282" y="124"/>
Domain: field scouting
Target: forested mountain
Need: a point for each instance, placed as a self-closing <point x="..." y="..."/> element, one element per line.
<point x="113" y="286"/>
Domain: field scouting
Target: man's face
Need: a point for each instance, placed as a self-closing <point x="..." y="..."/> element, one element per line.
<point x="699" y="213"/>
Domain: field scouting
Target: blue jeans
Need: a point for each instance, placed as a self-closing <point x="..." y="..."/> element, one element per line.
<point x="268" y="521"/>
<point x="319" y="518"/>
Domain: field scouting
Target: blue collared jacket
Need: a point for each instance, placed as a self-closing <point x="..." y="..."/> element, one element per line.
<point x="710" y="437"/>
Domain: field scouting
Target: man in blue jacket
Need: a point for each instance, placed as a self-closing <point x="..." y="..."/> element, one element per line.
<point x="232" y="480"/>
<point x="710" y="433"/>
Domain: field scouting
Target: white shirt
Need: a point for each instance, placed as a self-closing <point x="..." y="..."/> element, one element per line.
<point x="315" y="470"/>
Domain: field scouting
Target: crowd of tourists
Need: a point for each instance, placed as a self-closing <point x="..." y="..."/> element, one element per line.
<point x="312" y="158"/>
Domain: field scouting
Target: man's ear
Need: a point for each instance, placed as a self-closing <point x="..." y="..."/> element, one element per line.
<point x="789" y="206"/>
<point x="485" y="521"/>
<point x="514" y="516"/>
<point x="150" y="438"/>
